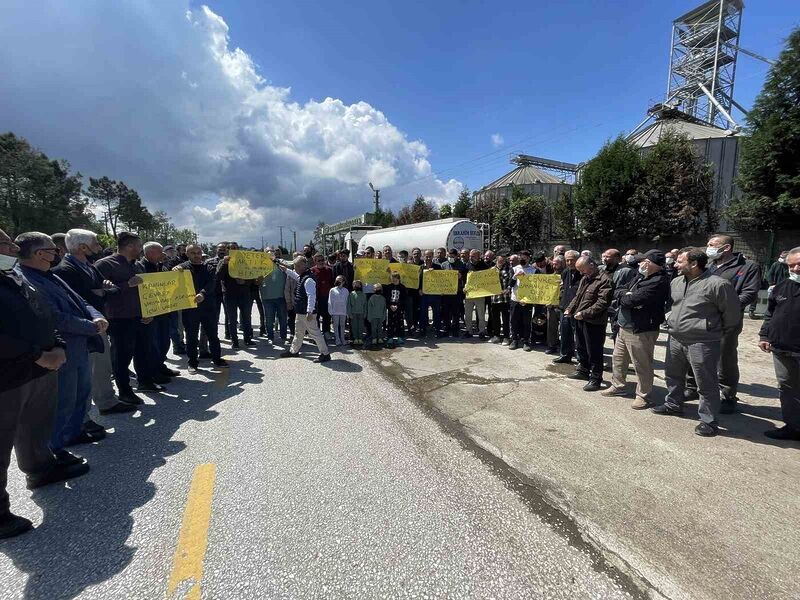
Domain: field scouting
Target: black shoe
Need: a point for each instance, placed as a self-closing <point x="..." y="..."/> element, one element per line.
<point x="563" y="360"/>
<point x="467" y="334"/>
<point x="593" y="386"/>
<point x="527" y="348"/>
<point x="66" y="458"/>
<point x="88" y="437"/>
<point x="12" y="525"/>
<point x="666" y="409"/>
<point x="481" y="336"/>
<point x="91" y="426"/>
<point x="551" y="351"/>
<point x="235" y="345"/>
<point x="160" y="379"/>
<point x="57" y="473"/>
<point x="513" y="345"/>
<point x="728" y="407"/>
<point x="249" y="342"/>
<point x="322" y="358"/>
<point x="221" y="362"/>
<point x="580" y="375"/>
<point x="288" y="354"/>
<point x="783" y="433"/>
<point x="119" y="408"/>
<point x="262" y="332"/>
<point x="707" y="429"/>
<point x="204" y="354"/>
<point x="149" y="386"/>
<point x="167" y="372"/>
<point x="690" y="395"/>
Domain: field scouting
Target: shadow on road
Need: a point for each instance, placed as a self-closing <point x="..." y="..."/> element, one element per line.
<point x="82" y="540"/>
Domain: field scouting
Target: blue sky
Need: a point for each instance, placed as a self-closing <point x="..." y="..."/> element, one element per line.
<point x="240" y="116"/>
<point x="563" y="76"/>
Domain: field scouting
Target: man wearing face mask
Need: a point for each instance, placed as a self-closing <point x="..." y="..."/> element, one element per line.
<point x="641" y="312"/>
<point x="745" y="277"/>
<point x="780" y="335"/>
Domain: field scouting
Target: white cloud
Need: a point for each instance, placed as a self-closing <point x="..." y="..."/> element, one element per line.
<point x="156" y="96"/>
<point x="497" y="140"/>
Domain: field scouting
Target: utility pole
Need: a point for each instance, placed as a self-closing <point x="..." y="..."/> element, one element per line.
<point x="280" y="228"/>
<point x="377" y="193"/>
<point x="294" y="244"/>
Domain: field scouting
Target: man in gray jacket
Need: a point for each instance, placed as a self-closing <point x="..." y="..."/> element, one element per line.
<point x="705" y="308"/>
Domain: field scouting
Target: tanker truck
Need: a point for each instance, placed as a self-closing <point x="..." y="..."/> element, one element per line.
<point x="442" y="233"/>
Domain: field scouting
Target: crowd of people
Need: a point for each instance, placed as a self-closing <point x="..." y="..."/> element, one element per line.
<point x="72" y="326"/>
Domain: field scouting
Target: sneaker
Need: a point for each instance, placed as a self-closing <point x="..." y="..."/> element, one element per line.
<point x="640" y="404"/>
<point x="563" y="360"/>
<point x="288" y="354"/>
<point x="494" y="340"/>
<point x="221" y="362"/>
<point x="579" y="375"/>
<point x="250" y="342"/>
<point x="204" y="354"/>
<point x="593" y="386"/>
<point x="527" y="348"/>
<point x="783" y="433"/>
<point x="55" y="474"/>
<point x="322" y="358"/>
<point x="193" y="369"/>
<point x="707" y="429"/>
<point x="666" y="409"/>
<point x="505" y="342"/>
<point x="401" y="340"/>
<point x="613" y="391"/>
<point x="12" y="525"/>
<point x="551" y="351"/>
<point x="513" y="345"/>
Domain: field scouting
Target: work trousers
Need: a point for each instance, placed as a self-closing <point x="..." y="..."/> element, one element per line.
<point x="218" y="306"/>
<point x="303" y="325"/>
<point x="702" y="358"/>
<point x="787" y="372"/>
<point x="275" y="308"/>
<point x="427" y="301"/>
<point x="27" y="414"/>
<point x="394" y="323"/>
<point x="339" y="325"/>
<point x="357" y="327"/>
<point x="241" y="302"/>
<point x="590" y="339"/>
<point x="130" y="340"/>
<point x="176" y="331"/>
<point x="159" y="328"/>
<point x="553" y="325"/>
<point x="74" y="392"/>
<point x="193" y="320"/>
<point x="478" y="305"/>
<point x="451" y="313"/>
<point x="323" y="316"/>
<point x="638" y="348"/>
<point x="520" y="321"/>
<point x="728" y="368"/>
<point x="498" y="319"/>
<point x="568" y="337"/>
<point x="103" y="394"/>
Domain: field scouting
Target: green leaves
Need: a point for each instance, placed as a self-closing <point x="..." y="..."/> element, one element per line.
<point x="519" y="222"/>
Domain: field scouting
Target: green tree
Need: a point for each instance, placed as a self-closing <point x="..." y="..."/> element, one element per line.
<point x="445" y="211"/>
<point x="603" y="195"/>
<point x="422" y="210"/>
<point x="463" y="204"/>
<point x="519" y="223"/>
<point x="675" y="194"/>
<point x="105" y="194"/>
<point x="564" y="216"/>
<point x="769" y="164"/>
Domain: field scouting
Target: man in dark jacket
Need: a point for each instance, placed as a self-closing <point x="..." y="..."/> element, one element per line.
<point x="589" y="308"/>
<point x="344" y="268"/>
<point x="639" y="315"/>
<point x="780" y="334"/>
<point x="238" y="302"/>
<point x="570" y="280"/>
<point x="204" y="277"/>
<point x="745" y="277"/>
<point x="475" y="263"/>
<point x="30" y="355"/>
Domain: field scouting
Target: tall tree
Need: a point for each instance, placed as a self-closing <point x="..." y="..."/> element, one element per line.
<point x="445" y="211"/>
<point x="105" y="193"/>
<point x="463" y="204"/>
<point x="519" y="223"/>
<point x="769" y="165"/>
<point x="564" y="216"/>
<point x="420" y="211"/>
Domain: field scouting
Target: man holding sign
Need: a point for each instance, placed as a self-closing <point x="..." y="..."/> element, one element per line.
<point x="238" y="294"/>
<point x="474" y="301"/>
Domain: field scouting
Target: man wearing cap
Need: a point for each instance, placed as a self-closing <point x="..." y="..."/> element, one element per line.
<point x="639" y="315"/>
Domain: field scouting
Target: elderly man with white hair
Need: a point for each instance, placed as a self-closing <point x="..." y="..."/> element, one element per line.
<point x="78" y="272"/>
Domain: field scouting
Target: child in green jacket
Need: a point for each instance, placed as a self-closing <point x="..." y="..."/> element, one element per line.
<point x="357" y="311"/>
<point x="376" y="314"/>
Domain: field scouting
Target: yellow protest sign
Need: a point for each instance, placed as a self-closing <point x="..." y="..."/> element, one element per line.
<point x="539" y="289"/>
<point x="440" y="283"/>
<point x="372" y="270"/>
<point x="409" y="274"/>
<point x="246" y="264"/>
<point x="482" y="283"/>
<point x="166" y="292"/>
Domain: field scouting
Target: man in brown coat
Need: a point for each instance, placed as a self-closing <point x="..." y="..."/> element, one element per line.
<point x="589" y="308"/>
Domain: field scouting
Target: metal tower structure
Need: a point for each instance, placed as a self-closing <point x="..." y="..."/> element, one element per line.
<point x="702" y="67"/>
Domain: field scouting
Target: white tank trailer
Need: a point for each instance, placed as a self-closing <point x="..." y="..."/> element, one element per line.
<point x="430" y="235"/>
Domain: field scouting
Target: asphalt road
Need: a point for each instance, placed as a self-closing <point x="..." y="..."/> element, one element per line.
<point x="327" y="482"/>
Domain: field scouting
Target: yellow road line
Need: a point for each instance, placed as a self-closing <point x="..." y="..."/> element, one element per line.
<point x="187" y="567"/>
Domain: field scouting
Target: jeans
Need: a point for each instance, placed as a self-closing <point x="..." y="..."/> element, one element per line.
<point x="568" y="337"/>
<point x="520" y="321"/>
<point x="176" y="331"/>
<point x="241" y="302"/>
<point x="130" y="340"/>
<point x="193" y="319"/>
<point x="275" y="308"/>
<point x="590" y="340"/>
<point x="74" y="391"/>
<point x="412" y="308"/>
<point x="498" y="319"/>
<point x="702" y="358"/>
<point x="451" y="313"/>
<point x="787" y="372"/>
<point x="435" y="304"/>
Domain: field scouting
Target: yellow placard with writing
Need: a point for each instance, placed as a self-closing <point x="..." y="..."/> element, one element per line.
<point x="409" y="274"/>
<point x="483" y="283"/>
<point x="440" y="283"/>
<point x="539" y="289"/>
<point x="247" y="264"/>
<point x="372" y="270"/>
<point x="162" y="293"/>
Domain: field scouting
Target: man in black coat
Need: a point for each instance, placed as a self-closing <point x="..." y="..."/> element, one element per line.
<point x="780" y="334"/>
<point x="640" y="314"/>
<point x="570" y="280"/>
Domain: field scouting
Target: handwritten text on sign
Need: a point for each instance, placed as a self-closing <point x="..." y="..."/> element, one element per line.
<point x="409" y="274"/>
<point x="482" y="283"/>
<point x="539" y="289"/>
<point x="246" y="264"/>
<point x="166" y="292"/>
<point x="372" y="270"/>
<point x="440" y="283"/>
